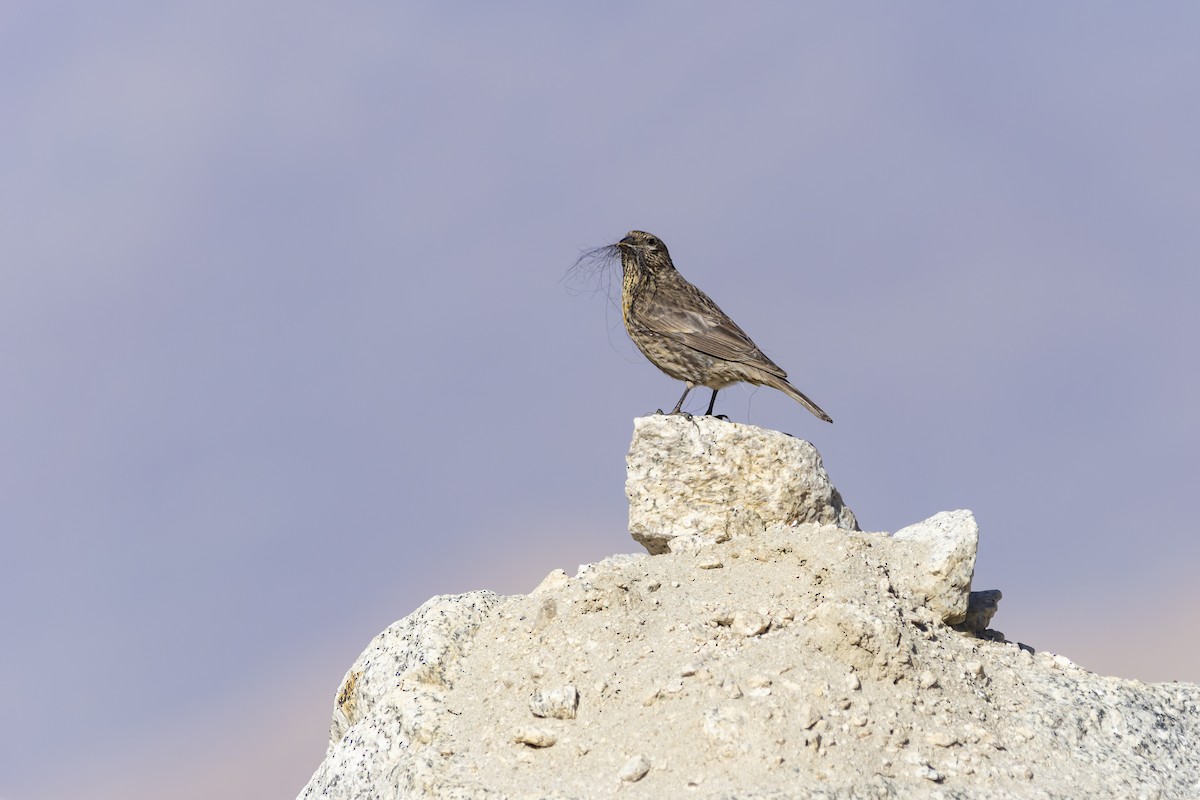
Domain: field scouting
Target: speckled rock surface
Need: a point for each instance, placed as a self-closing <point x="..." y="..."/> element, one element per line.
<point x="697" y="480"/>
<point x="795" y="668"/>
<point x="947" y="543"/>
<point x="775" y="660"/>
<point x="391" y="704"/>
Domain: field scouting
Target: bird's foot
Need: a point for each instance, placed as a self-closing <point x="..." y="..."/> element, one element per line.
<point x="675" y="413"/>
<point x="721" y="417"/>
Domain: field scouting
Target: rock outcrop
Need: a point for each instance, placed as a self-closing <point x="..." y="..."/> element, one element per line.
<point x="762" y="653"/>
<point x="698" y="480"/>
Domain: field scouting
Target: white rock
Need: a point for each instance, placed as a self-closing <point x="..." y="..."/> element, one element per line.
<point x="749" y="623"/>
<point x="941" y="738"/>
<point x="431" y="708"/>
<point x="704" y="479"/>
<point x="634" y="770"/>
<point x="807" y="716"/>
<point x="559" y="702"/>
<point x="552" y="581"/>
<point x="389" y="704"/>
<point x="946" y="543"/>
<point x="535" y="737"/>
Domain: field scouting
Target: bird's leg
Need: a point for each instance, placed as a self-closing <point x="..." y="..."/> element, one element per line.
<point x="711" y="403"/>
<point x="679" y="405"/>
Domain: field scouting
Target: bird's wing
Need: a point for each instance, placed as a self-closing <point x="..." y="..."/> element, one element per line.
<point x="691" y="318"/>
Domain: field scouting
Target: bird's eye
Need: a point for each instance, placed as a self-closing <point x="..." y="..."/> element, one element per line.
<point x="652" y="241"/>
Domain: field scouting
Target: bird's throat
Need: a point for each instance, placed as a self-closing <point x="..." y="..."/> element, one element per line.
<point x="635" y="284"/>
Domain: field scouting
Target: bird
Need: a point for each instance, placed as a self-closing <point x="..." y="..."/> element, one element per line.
<point x="684" y="333"/>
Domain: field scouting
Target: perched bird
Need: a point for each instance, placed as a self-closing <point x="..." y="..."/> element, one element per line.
<point x="684" y="333"/>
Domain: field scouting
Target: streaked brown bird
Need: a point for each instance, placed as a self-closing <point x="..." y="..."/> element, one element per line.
<point x="684" y="333"/>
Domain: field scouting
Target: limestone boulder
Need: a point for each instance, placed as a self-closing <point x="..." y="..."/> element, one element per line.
<point x="699" y="480"/>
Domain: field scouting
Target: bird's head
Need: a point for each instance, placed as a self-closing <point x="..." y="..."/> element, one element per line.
<point x="644" y="252"/>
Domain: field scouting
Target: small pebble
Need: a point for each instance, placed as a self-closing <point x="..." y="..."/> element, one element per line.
<point x="929" y="774"/>
<point x="634" y="770"/>
<point x="723" y="617"/>
<point x="749" y="623"/>
<point x="808" y="716"/>
<point x="559" y="702"/>
<point x="535" y="737"/>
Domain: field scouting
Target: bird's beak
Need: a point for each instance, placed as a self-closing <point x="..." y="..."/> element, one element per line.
<point x="627" y="242"/>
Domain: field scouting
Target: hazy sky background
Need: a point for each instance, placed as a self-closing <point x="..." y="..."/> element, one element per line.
<point x="285" y="347"/>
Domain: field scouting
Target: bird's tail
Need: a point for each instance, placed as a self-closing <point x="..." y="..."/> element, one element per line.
<point x="791" y="391"/>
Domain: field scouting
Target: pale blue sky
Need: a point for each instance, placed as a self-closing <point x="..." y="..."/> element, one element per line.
<point x="285" y="350"/>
